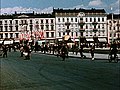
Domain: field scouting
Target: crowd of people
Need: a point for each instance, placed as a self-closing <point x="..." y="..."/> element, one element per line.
<point x="61" y="50"/>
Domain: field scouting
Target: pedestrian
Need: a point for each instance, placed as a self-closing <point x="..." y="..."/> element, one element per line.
<point x="92" y="49"/>
<point x="63" y="52"/>
<point x="5" y="51"/>
<point x="81" y="51"/>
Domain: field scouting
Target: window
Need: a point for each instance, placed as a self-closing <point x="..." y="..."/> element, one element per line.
<point x="5" y="28"/>
<point x="16" y="28"/>
<point x="46" y="21"/>
<point x="94" y="19"/>
<point x="86" y="20"/>
<point x="52" y="27"/>
<point x="63" y="20"/>
<point x="90" y="19"/>
<point x="10" y="28"/>
<point x="47" y="34"/>
<point x="47" y="27"/>
<point x="6" y="35"/>
<point x="102" y="19"/>
<point x="63" y="33"/>
<point x="67" y="19"/>
<point x="71" y="33"/>
<point x="0" y="22"/>
<point x="98" y="19"/>
<point x="58" y="19"/>
<point x="1" y="28"/>
<point x="71" y="19"/>
<point x="59" y="34"/>
<point x="51" y="20"/>
<point x="16" y="21"/>
<point x="76" y="34"/>
<point x="52" y="34"/>
<point x="30" y="21"/>
<point x="16" y="35"/>
<point x="42" y="27"/>
<point x="10" y="21"/>
<point x="11" y="35"/>
<point x="75" y="19"/>
<point x="42" y="21"/>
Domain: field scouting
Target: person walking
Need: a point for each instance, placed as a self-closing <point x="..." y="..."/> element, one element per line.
<point x="92" y="49"/>
<point x="5" y="51"/>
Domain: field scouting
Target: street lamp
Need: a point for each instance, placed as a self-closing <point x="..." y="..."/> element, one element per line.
<point x="81" y="24"/>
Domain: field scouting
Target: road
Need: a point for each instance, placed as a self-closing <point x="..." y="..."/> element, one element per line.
<point x="47" y="72"/>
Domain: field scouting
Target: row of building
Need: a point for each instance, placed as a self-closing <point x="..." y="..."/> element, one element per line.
<point x="82" y="25"/>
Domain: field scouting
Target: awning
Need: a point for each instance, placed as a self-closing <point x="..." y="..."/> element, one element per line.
<point x="60" y="39"/>
<point x="75" y="39"/>
<point x="1" y="42"/>
<point x="89" y="39"/>
<point x="8" y="42"/>
<point x="102" y="39"/>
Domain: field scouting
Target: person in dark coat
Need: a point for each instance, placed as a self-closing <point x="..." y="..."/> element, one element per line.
<point x="92" y="52"/>
<point x="81" y="52"/>
<point x="5" y="49"/>
<point x="113" y="50"/>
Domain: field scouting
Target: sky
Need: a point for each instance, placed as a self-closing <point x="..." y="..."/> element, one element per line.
<point x="46" y="6"/>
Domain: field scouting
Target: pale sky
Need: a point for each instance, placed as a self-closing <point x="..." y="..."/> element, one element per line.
<point x="10" y="6"/>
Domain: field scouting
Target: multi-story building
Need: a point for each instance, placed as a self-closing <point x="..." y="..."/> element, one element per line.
<point x="29" y="26"/>
<point x="113" y="27"/>
<point x="82" y="23"/>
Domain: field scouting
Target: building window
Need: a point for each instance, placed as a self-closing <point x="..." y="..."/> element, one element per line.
<point x="6" y="35"/>
<point x="16" y="28"/>
<point x="67" y="19"/>
<point x="6" y="28"/>
<point x="63" y="20"/>
<point x="41" y="21"/>
<point x="59" y="34"/>
<point x="16" y="21"/>
<point x="75" y="19"/>
<point x="71" y="19"/>
<point x="47" y="34"/>
<point x="10" y="28"/>
<point x="1" y="28"/>
<point x="102" y="19"/>
<point x="52" y="27"/>
<point x="10" y="22"/>
<point x="11" y="35"/>
<point x="52" y="34"/>
<point x="90" y="19"/>
<point x="1" y="35"/>
<point x="98" y="19"/>
<point x="0" y="22"/>
<point x="42" y="27"/>
<point x="63" y="33"/>
<point x="86" y="19"/>
<point x="58" y="19"/>
<point x="52" y="21"/>
<point x="16" y="35"/>
<point x="47" y="21"/>
<point x="47" y="27"/>
<point x="94" y="19"/>
<point x="72" y="34"/>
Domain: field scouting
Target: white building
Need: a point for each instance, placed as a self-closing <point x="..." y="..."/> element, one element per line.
<point x="113" y="27"/>
<point x="77" y="23"/>
<point x="28" y="26"/>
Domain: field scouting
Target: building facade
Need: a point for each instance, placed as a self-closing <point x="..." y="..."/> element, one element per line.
<point x="28" y="26"/>
<point x="84" y="26"/>
<point x="81" y="23"/>
<point x="113" y="27"/>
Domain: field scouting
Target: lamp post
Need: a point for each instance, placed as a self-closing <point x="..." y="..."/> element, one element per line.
<point x="81" y="24"/>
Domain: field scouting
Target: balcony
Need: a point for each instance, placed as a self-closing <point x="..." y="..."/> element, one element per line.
<point x="67" y="24"/>
<point x="68" y="30"/>
<point x="81" y="30"/>
<point x="95" y="30"/>
<point x="94" y="23"/>
<point x="81" y="23"/>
